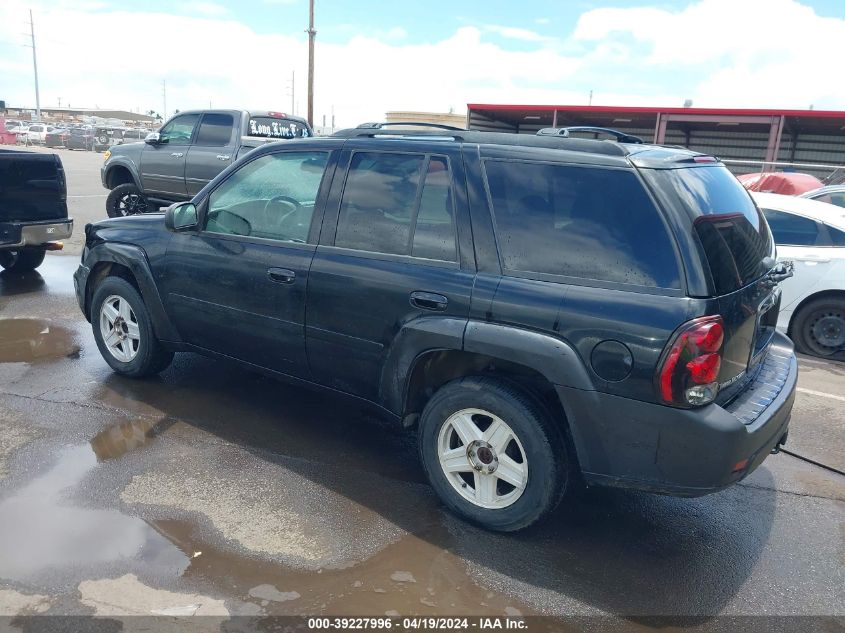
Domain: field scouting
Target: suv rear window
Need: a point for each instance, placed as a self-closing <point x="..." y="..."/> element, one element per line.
<point x="734" y="236"/>
<point x="271" y="127"/>
<point x="579" y="222"/>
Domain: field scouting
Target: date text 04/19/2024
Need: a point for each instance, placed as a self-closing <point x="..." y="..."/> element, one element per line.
<point x="417" y="623"/>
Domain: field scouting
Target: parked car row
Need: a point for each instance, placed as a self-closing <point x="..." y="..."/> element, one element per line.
<point x="74" y="136"/>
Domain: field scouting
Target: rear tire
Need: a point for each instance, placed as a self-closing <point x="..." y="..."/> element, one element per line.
<point x="124" y="200"/>
<point x="22" y="261"/>
<point x="124" y="332"/>
<point x="512" y="439"/>
<point x="819" y="327"/>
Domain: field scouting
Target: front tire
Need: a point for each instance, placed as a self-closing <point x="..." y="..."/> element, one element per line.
<point x="21" y="261"/>
<point x="819" y="328"/>
<point x="124" y="331"/>
<point x="492" y="454"/>
<point x="124" y="200"/>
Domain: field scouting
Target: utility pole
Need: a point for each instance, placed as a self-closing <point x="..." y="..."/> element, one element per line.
<point x="311" y="35"/>
<point x="292" y="93"/>
<point x="164" y="96"/>
<point x="35" y="67"/>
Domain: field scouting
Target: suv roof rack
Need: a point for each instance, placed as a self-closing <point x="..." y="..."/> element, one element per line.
<point x="621" y="137"/>
<point x="379" y="126"/>
<point x="449" y="133"/>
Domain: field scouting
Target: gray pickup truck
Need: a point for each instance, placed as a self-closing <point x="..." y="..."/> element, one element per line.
<point x="33" y="208"/>
<point x="176" y="162"/>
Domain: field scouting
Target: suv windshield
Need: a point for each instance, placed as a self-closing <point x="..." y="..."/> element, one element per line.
<point x="732" y="231"/>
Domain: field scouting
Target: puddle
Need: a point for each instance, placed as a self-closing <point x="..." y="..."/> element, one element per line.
<point x="417" y="575"/>
<point x="34" y="340"/>
<point x="43" y="534"/>
<point x="54" y="275"/>
<point x="119" y="439"/>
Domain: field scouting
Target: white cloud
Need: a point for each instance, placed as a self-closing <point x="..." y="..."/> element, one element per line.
<point x="716" y="52"/>
<point x="514" y="33"/>
<point x="753" y="53"/>
<point x="201" y="7"/>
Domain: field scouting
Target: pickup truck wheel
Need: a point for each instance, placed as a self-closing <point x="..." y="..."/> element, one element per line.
<point x="819" y="328"/>
<point x="124" y="331"/>
<point x="492" y="454"/>
<point x="125" y="199"/>
<point x="22" y="261"/>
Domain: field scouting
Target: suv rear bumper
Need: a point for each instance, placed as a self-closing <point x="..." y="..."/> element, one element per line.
<point x="685" y="452"/>
<point x="22" y="234"/>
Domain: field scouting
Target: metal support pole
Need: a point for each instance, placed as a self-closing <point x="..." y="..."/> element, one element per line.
<point x="311" y="34"/>
<point x="35" y="67"/>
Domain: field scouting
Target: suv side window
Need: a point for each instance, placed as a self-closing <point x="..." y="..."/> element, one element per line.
<point x="399" y="204"/>
<point x="271" y="197"/>
<point x="586" y="223"/>
<point x="215" y="130"/>
<point x="792" y="230"/>
<point x="179" y="130"/>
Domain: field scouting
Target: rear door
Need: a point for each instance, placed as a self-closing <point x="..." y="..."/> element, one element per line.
<point x="163" y="164"/>
<point x="388" y="255"/>
<point x="212" y="151"/>
<point x="736" y="249"/>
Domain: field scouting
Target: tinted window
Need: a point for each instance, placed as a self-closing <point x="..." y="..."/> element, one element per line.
<point x="792" y="230"/>
<point x="734" y="237"/>
<point x="215" y="129"/>
<point x="277" y="127"/>
<point x="838" y="198"/>
<point x="434" y="231"/>
<point x="579" y="222"/>
<point x="384" y="211"/>
<point x="837" y="237"/>
<point x="271" y="197"/>
<point x="179" y="130"/>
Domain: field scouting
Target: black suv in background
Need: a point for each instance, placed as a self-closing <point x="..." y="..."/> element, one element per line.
<point x="542" y="309"/>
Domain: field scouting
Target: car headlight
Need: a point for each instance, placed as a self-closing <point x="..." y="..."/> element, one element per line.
<point x="106" y="154"/>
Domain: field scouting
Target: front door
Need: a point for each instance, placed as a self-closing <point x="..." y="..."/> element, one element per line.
<point x="163" y="164"/>
<point x="237" y="286"/>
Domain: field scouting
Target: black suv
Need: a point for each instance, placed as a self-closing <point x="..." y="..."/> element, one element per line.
<point x="544" y="310"/>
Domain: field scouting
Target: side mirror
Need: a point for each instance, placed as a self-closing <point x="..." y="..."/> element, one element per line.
<point x="181" y="216"/>
<point x="153" y="138"/>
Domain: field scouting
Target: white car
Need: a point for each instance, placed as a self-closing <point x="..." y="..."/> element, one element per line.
<point x="811" y="235"/>
<point x="37" y="133"/>
<point x="834" y="194"/>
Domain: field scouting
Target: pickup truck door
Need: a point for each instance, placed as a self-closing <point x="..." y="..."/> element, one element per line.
<point x="237" y="285"/>
<point x="163" y="164"/>
<point x="213" y="150"/>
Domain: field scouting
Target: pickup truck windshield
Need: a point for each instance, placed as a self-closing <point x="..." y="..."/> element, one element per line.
<point x="272" y="127"/>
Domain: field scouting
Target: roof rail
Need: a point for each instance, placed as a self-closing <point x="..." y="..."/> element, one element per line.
<point x="379" y="126"/>
<point x="621" y="137"/>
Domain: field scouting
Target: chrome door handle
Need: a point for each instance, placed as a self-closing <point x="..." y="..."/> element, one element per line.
<point x="177" y="154"/>
<point x="223" y="157"/>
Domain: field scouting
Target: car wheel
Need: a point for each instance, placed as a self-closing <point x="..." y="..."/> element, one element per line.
<point x="124" y="331"/>
<point x="492" y="453"/>
<point x="125" y="199"/>
<point x="22" y="261"/>
<point x="819" y="327"/>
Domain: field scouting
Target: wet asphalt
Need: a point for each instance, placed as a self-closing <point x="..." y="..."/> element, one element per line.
<point x="214" y="490"/>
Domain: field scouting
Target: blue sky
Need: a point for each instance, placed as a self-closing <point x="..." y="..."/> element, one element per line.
<point x="374" y="56"/>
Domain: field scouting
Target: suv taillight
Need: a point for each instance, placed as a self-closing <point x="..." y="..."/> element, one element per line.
<point x="687" y="375"/>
